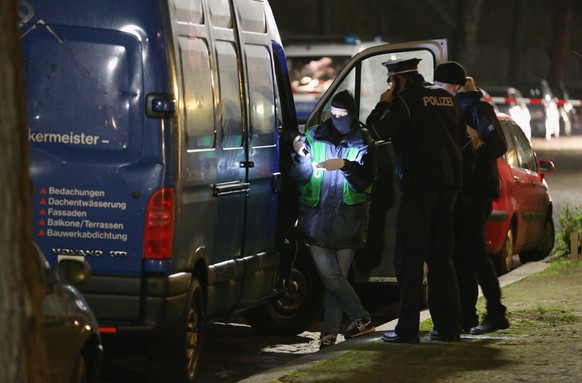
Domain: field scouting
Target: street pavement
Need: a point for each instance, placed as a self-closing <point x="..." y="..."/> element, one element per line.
<point x="310" y="360"/>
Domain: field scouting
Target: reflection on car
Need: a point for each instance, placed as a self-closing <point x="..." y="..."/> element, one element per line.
<point x="73" y="342"/>
<point x="521" y="222"/>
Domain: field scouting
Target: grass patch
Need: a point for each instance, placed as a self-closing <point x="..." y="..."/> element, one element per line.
<point x="540" y="318"/>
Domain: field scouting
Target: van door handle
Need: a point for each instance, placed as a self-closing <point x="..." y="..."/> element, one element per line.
<point x="516" y="179"/>
<point x="231" y="187"/>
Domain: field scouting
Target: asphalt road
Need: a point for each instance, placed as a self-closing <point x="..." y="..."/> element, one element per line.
<point x="233" y="351"/>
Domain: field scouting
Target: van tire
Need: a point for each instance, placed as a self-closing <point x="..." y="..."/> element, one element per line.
<point x="175" y="354"/>
<point x="294" y="310"/>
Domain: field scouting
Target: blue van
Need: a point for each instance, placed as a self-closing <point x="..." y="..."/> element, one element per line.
<point x="157" y="130"/>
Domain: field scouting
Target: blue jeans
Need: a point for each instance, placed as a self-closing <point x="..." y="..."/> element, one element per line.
<point x="339" y="297"/>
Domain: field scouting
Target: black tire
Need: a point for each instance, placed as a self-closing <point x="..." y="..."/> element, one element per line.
<point x="547" y="243"/>
<point x="174" y="356"/>
<point x="79" y="374"/>
<point x="294" y="310"/>
<point x="503" y="260"/>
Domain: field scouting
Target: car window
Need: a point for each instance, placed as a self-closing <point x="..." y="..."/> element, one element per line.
<point x="511" y="153"/>
<point x="314" y="74"/>
<point x="368" y="81"/>
<point x="525" y="152"/>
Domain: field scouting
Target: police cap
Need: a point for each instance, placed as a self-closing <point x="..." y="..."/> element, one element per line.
<point x="401" y="66"/>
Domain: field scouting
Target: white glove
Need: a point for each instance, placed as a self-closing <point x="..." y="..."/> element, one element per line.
<point x="299" y="147"/>
<point x="333" y="164"/>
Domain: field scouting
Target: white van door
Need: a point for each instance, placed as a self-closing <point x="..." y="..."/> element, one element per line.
<point x="365" y="76"/>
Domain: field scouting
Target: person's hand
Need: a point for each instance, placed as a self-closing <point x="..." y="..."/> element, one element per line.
<point x="333" y="164"/>
<point x="475" y="140"/>
<point x="470" y="85"/>
<point x="388" y="95"/>
<point x="299" y="146"/>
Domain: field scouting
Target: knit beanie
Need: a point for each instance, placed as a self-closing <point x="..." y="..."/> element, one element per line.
<point x="345" y="100"/>
<point x="451" y="73"/>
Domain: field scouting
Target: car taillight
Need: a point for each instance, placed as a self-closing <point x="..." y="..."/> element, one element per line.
<point x="159" y="225"/>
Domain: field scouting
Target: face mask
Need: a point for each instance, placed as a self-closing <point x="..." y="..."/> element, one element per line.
<point x="344" y="124"/>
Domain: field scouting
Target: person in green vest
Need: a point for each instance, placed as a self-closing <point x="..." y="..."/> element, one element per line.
<point x="334" y="167"/>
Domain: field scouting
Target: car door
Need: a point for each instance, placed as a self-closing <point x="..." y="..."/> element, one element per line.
<point x="365" y="76"/>
<point x="533" y="190"/>
<point x="523" y="167"/>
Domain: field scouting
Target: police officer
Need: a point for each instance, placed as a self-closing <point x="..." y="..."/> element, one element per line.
<point x="481" y="187"/>
<point x="427" y="130"/>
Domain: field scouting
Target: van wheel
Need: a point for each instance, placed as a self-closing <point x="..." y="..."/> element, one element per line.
<point x="504" y="259"/>
<point x="174" y="355"/>
<point x="295" y="309"/>
<point x="547" y="246"/>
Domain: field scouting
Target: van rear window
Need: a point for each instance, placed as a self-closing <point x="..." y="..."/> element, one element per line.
<point x="84" y="91"/>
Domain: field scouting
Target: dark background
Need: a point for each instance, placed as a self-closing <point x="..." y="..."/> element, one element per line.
<point x="500" y="42"/>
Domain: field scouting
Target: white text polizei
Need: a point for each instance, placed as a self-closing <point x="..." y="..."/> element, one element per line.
<point x="437" y="101"/>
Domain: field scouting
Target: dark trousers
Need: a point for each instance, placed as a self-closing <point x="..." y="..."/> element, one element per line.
<point x="425" y="232"/>
<point x="472" y="262"/>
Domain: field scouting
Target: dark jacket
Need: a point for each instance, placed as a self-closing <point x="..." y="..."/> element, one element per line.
<point x="427" y="130"/>
<point x="332" y="223"/>
<point x="480" y="115"/>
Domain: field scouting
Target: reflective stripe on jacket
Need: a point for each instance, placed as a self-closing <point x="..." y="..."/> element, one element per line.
<point x="310" y="192"/>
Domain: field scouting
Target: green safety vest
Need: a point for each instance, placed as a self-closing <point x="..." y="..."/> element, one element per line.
<point x="310" y="192"/>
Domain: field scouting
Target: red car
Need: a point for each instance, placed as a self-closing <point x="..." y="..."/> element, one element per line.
<point x="521" y="222"/>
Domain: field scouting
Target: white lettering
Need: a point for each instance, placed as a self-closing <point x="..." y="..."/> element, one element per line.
<point x="62" y="138"/>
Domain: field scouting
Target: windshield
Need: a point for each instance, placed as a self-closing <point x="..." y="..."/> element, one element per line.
<point x="310" y="78"/>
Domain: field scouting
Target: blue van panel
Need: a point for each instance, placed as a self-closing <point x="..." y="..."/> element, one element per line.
<point x="94" y="165"/>
<point x="102" y="66"/>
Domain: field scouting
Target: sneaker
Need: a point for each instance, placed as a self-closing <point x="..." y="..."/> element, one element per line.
<point x="326" y="340"/>
<point x="490" y="324"/>
<point x="359" y="327"/>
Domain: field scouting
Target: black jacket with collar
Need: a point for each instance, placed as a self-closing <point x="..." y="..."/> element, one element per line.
<point x="481" y="116"/>
<point x="427" y="130"/>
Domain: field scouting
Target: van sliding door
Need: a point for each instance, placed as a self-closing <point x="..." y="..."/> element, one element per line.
<point x="262" y="166"/>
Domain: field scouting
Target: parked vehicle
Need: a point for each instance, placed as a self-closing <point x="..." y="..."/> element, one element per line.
<point x="157" y="133"/>
<point x="314" y="62"/>
<point x="521" y="222"/>
<point x="71" y="334"/>
<point x="509" y="100"/>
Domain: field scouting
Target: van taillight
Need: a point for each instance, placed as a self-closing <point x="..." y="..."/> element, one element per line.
<point x="159" y="225"/>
